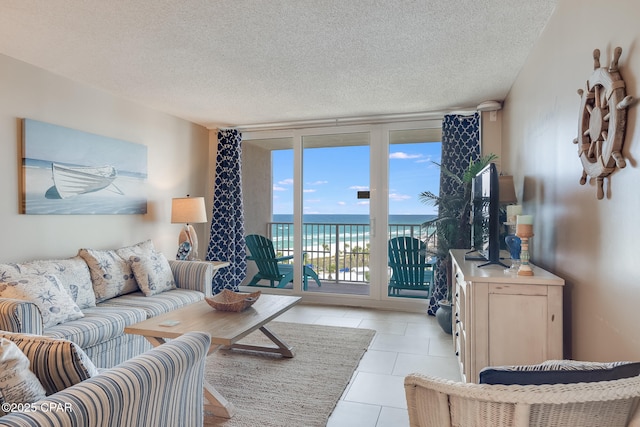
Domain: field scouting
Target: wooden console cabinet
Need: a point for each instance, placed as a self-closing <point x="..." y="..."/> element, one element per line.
<point x="504" y="319"/>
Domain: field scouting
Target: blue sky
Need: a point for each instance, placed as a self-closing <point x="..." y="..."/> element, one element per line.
<point x="332" y="177"/>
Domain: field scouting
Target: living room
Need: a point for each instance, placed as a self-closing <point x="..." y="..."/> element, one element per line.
<point x="584" y="240"/>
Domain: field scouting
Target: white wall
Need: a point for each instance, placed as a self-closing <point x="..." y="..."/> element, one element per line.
<point x="591" y="243"/>
<point x="491" y="137"/>
<point x="177" y="165"/>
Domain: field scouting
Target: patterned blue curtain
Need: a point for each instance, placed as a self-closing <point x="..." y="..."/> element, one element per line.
<point x="460" y="145"/>
<point x="227" y="222"/>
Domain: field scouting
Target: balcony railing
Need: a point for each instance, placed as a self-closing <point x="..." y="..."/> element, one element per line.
<point x="337" y="252"/>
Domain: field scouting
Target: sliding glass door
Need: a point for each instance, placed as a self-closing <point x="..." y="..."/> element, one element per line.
<point x="335" y="196"/>
<point x="268" y="197"/>
<point x="335" y="229"/>
<point x="414" y="155"/>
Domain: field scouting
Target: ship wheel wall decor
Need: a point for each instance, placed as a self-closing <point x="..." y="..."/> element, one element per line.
<point x="602" y="121"/>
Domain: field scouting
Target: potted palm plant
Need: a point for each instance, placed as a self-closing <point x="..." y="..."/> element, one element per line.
<point x="451" y="229"/>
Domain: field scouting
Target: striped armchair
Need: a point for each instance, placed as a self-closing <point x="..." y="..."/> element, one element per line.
<point x="162" y="387"/>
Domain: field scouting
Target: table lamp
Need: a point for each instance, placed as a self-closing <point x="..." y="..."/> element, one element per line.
<point x="187" y="211"/>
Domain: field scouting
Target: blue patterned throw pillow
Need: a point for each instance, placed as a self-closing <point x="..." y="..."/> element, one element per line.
<point x="111" y="271"/>
<point x="73" y="274"/>
<point x="559" y="372"/>
<point x="153" y="273"/>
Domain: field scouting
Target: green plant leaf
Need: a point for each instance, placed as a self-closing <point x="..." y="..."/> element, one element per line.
<point x="451" y="229"/>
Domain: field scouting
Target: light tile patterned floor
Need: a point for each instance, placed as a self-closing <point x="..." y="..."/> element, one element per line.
<point x="404" y="343"/>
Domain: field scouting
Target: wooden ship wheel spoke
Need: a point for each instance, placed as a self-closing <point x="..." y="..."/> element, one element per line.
<point x="602" y="121"/>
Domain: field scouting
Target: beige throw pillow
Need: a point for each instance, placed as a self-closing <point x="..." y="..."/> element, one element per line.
<point x="57" y="363"/>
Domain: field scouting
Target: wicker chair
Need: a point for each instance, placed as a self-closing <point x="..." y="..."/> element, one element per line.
<point x="434" y="402"/>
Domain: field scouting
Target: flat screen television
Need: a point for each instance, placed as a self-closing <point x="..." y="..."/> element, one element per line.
<point x="485" y="217"/>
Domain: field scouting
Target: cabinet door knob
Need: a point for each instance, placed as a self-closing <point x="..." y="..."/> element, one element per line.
<point x="457" y="334"/>
<point x="457" y="353"/>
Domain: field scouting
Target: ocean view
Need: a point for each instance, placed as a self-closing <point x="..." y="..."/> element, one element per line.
<point x="325" y="232"/>
<point x="337" y="246"/>
<point x="335" y="235"/>
<point x="352" y="219"/>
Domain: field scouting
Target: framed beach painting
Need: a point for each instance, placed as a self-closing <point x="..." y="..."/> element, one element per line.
<point x="70" y="172"/>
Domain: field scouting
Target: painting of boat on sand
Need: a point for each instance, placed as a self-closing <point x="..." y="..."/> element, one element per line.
<point x="67" y="171"/>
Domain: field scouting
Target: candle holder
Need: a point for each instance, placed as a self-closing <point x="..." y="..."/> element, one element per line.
<point x="524" y="232"/>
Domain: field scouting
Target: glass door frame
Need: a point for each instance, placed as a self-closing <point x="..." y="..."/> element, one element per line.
<point x="378" y="209"/>
<point x="298" y="201"/>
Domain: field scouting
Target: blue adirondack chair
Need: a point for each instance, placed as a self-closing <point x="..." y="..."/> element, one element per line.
<point x="409" y="266"/>
<point x="271" y="267"/>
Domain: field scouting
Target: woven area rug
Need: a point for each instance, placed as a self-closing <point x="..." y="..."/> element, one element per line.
<point x="269" y="390"/>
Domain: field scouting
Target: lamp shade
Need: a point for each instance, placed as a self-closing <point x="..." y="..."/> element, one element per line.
<point x="507" y="190"/>
<point x="188" y="210"/>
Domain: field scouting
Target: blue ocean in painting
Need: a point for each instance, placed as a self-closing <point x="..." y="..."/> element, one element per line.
<point x="125" y="196"/>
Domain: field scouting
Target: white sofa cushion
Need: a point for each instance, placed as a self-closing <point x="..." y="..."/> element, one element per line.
<point x="17" y="383"/>
<point x="46" y="292"/>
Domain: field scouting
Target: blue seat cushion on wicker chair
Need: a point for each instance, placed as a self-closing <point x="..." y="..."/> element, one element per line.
<point x="559" y="372"/>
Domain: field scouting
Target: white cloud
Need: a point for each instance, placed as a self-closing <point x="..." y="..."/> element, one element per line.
<point x="277" y="188"/>
<point x="428" y="159"/>
<point x="342" y="203"/>
<point x="399" y="197"/>
<point x="403" y="155"/>
<point x="309" y="190"/>
<point x="363" y="203"/>
<point x="318" y="183"/>
<point x="359" y="187"/>
<point x="288" y="181"/>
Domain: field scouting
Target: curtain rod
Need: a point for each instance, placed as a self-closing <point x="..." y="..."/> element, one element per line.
<point x="343" y="121"/>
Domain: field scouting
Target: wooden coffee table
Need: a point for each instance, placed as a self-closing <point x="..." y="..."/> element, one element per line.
<point x="225" y="329"/>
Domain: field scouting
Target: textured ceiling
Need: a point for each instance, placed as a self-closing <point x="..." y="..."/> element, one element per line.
<point x="239" y="62"/>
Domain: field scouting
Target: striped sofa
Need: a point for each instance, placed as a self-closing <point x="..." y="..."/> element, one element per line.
<point x="100" y="331"/>
<point x="162" y="387"/>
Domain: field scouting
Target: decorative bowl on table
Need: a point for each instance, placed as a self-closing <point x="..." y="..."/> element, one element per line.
<point x="232" y="301"/>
